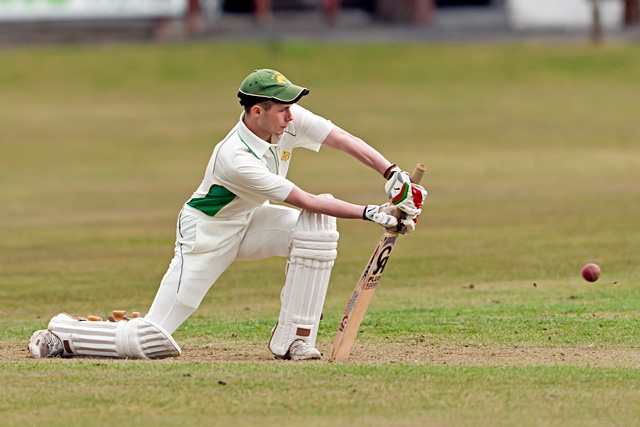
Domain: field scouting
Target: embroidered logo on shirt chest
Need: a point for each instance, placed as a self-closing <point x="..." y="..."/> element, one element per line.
<point x="285" y="156"/>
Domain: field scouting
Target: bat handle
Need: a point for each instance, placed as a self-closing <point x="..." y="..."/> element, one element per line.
<point x="416" y="177"/>
<point x="418" y="173"/>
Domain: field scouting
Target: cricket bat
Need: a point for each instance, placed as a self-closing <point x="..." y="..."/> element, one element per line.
<point x="366" y="286"/>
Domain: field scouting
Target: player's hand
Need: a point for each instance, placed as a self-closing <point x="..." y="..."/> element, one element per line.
<point x="407" y="225"/>
<point x="406" y="196"/>
<point x="382" y="215"/>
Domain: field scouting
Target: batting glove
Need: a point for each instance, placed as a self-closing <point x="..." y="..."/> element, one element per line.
<point x="391" y="170"/>
<point x="408" y="225"/>
<point x="406" y="196"/>
<point x="382" y="215"/>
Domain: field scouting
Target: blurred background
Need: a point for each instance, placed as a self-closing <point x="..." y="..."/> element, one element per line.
<point x="72" y="21"/>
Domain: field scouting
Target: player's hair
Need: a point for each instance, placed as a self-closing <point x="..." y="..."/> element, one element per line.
<point x="249" y="101"/>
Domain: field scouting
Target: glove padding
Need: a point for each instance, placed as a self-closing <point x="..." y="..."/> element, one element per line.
<point x="407" y="225"/>
<point x="383" y="215"/>
<point x="408" y="197"/>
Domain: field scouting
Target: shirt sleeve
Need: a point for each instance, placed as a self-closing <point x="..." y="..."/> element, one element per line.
<point x="310" y="129"/>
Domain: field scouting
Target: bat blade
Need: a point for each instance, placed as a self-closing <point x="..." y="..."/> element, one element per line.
<point x="361" y="297"/>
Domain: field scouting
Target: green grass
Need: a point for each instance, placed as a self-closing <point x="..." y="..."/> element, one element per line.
<point x="414" y="394"/>
<point x="407" y="394"/>
<point x="481" y="317"/>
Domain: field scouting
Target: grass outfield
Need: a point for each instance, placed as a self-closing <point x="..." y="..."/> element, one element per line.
<point x="481" y="317"/>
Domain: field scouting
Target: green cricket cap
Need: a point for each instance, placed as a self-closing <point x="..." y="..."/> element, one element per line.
<point x="270" y="84"/>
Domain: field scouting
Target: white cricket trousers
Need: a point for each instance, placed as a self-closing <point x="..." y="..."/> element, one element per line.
<point x="206" y="246"/>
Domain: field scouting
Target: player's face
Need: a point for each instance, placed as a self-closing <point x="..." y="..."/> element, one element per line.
<point x="276" y="119"/>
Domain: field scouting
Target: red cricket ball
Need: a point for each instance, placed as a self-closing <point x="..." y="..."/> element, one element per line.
<point x="591" y="272"/>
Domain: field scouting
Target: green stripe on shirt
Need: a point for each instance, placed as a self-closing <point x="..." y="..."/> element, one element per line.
<point x="217" y="198"/>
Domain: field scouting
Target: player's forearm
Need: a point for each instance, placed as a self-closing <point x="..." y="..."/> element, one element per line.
<point x="328" y="206"/>
<point x="359" y="149"/>
<point x="369" y="156"/>
<point x="366" y="154"/>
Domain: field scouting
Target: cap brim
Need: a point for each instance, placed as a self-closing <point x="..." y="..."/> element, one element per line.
<point x="290" y="95"/>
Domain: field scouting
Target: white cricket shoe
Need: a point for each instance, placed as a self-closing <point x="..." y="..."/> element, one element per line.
<point x="301" y="350"/>
<point x="45" y="344"/>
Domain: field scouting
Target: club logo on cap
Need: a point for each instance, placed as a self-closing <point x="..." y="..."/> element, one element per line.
<point x="280" y="78"/>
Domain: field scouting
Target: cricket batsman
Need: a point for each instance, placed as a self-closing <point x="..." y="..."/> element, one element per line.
<point x="229" y="218"/>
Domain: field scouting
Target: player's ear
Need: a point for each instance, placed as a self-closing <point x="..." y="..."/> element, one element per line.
<point x="256" y="110"/>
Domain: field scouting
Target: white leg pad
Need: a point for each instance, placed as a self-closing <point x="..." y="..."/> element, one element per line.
<point x="127" y="339"/>
<point x="313" y="251"/>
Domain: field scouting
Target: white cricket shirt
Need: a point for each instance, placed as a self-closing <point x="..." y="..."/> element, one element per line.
<point x="245" y="171"/>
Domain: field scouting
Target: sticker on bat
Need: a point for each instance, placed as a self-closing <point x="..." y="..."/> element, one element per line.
<point x="348" y="310"/>
<point x="371" y="260"/>
<point x="380" y="263"/>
